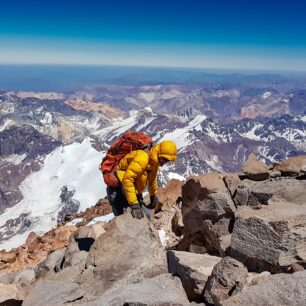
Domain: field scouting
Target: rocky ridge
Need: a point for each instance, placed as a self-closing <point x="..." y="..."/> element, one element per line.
<point x="228" y="239"/>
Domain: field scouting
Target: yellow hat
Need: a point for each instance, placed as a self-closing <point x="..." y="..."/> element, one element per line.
<point x="167" y="149"/>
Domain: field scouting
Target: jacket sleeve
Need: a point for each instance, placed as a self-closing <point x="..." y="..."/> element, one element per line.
<point x="136" y="167"/>
<point x="152" y="181"/>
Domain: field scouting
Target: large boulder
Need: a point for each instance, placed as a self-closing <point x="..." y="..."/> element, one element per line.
<point x="271" y="238"/>
<point x="22" y="277"/>
<point x="74" y="257"/>
<point x="294" y="166"/>
<point x="208" y="195"/>
<point x="76" y="253"/>
<point x="51" y="293"/>
<point x="67" y="263"/>
<point x="205" y="198"/>
<point x="289" y="189"/>
<point x="15" y="285"/>
<point x="255" y="169"/>
<point x="93" y="231"/>
<point x="160" y="290"/>
<point x="11" y="292"/>
<point x="242" y="194"/>
<point x="53" y="263"/>
<point x="279" y="289"/>
<point x="25" y="276"/>
<point x="129" y="251"/>
<point x="72" y="265"/>
<point x="217" y="235"/>
<point x="193" y="270"/>
<point x="232" y="182"/>
<point x="228" y="278"/>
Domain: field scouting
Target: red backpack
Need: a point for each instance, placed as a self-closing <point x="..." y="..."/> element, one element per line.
<point x="128" y="142"/>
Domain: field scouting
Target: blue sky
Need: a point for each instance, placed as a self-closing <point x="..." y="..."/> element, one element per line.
<point x="202" y="34"/>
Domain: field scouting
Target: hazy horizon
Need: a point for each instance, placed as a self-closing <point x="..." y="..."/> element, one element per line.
<point x="76" y="77"/>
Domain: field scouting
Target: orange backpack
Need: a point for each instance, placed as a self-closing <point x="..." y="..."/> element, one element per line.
<point x="128" y="142"/>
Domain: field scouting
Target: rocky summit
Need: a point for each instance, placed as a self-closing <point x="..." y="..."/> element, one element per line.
<point x="215" y="239"/>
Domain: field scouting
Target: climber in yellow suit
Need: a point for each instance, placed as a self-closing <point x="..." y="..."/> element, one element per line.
<point x="135" y="171"/>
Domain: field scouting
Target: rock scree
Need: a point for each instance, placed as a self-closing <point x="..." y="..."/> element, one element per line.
<point x="228" y="239"/>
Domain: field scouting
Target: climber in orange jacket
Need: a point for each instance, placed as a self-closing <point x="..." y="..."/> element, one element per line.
<point x="135" y="171"/>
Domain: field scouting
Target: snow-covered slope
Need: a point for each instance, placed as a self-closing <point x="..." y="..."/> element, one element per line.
<point x="74" y="166"/>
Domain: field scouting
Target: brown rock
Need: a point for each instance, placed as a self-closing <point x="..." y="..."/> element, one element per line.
<point x="257" y="278"/>
<point x="50" y="293"/>
<point x="217" y="236"/>
<point x="130" y="250"/>
<point x="177" y="224"/>
<point x="101" y="208"/>
<point x="37" y="248"/>
<point x="170" y="195"/>
<point x="270" y="238"/>
<point x="69" y="217"/>
<point x="228" y="278"/>
<point x="255" y="169"/>
<point x="83" y="223"/>
<point x="8" y="257"/>
<point x="193" y="270"/>
<point x="160" y="290"/>
<point x="291" y="190"/>
<point x="163" y="221"/>
<point x="51" y="264"/>
<point x="31" y="238"/>
<point x="294" y="166"/>
<point x="232" y="182"/>
<point x="93" y="231"/>
<point x="275" y="174"/>
<point x="10" y="292"/>
<point x="64" y="233"/>
<point x="280" y="289"/>
<point x="168" y="215"/>
<point x="241" y="196"/>
<point x="32" y="256"/>
<point x="205" y="198"/>
<point x="296" y="267"/>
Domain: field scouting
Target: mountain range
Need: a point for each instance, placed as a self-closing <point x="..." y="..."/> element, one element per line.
<point x="51" y="143"/>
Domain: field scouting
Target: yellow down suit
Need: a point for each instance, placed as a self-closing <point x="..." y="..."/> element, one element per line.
<point x="139" y="168"/>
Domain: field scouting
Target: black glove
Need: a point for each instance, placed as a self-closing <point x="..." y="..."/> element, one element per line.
<point x="140" y="199"/>
<point x="153" y="202"/>
<point x="136" y="211"/>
